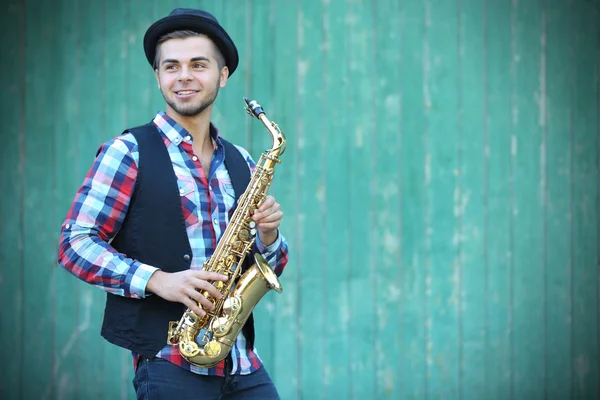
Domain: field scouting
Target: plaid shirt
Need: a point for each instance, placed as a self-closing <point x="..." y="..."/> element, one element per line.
<point x="101" y="204"/>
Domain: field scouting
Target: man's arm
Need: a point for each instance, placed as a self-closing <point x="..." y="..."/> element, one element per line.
<point x="95" y="217"/>
<point x="276" y="254"/>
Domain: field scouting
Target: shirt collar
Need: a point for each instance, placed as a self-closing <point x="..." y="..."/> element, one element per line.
<point x="177" y="134"/>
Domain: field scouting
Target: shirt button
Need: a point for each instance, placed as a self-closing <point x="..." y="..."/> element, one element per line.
<point x="215" y="221"/>
<point x="188" y="138"/>
<point x="195" y="158"/>
<point x="186" y="257"/>
<point x="181" y="191"/>
<point x="68" y="226"/>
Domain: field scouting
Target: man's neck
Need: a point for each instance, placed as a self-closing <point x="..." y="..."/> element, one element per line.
<point x="198" y="126"/>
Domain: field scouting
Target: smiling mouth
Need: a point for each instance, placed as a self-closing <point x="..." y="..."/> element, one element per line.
<point x="186" y="93"/>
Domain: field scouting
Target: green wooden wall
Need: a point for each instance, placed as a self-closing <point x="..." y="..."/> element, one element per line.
<point x="440" y="190"/>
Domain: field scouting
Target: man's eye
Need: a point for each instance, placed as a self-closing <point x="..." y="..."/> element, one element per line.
<point x="198" y="65"/>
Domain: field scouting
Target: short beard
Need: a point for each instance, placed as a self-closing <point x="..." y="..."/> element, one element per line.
<point x="190" y="110"/>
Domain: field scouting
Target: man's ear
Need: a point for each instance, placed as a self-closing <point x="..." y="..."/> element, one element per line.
<point x="224" y="76"/>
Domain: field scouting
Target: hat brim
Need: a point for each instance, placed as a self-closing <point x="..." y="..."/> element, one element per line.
<point x="196" y="24"/>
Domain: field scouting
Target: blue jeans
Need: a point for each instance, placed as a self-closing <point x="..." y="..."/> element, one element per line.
<point x="159" y="379"/>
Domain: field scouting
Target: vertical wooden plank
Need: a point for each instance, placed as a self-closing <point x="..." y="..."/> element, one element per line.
<point x="311" y="190"/>
<point x="115" y="54"/>
<point x="470" y="201"/>
<point x="139" y="18"/>
<point x="228" y="113"/>
<point x="558" y="200"/>
<point x="361" y="127"/>
<point x="89" y="128"/>
<point x="338" y="326"/>
<point x="528" y="154"/>
<point x="68" y="328"/>
<point x="386" y="163"/>
<point x="12" y="104"/>
<point x="288" y="345"/>
<point x="134" y="104"/>
<point x="413" y="368"/>
<point x="261" y="89"/>
<point x="499" y="180"/>
<point x="115" y="49"/>
<point x="158" y="9"/>
<point x="585" y="191"/>
<point x="443" y="197"/>
<point x="39" y="182"/>
<point x="260" y="82"/>
<point x="597" y="174"/>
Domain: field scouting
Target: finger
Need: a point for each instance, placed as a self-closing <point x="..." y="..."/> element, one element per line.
<point x="269" y="211"/>
<point x="207" y="286"/>
<point x="267" y="203"/>
<point x="209" y="276"/>
<point x="205" y="303"/>
<point x="192" y="305"/>
<point x="268" y="228"/>
<point x="271" y="218"/>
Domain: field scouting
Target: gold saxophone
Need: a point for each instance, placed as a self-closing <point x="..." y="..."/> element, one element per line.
<point x="217" y="330"/>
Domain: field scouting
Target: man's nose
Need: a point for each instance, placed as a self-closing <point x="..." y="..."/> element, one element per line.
<point x="185" y="74"/>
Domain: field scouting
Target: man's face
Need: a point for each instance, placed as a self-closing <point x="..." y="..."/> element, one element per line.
<point x="188" y="75"/>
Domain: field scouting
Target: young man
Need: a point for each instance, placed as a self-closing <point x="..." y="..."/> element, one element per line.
<point x="151" y="211"/>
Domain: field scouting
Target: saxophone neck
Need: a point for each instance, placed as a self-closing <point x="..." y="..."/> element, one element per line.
<point x="256" y="111"/>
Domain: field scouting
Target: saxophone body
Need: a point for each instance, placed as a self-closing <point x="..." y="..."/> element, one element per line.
<point x="205" y="341"/>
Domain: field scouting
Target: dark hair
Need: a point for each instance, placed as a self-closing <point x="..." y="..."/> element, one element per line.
<point x="182" y="35"/>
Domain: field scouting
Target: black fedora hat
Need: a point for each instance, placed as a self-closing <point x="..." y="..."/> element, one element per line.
<point x="194" y="20"/>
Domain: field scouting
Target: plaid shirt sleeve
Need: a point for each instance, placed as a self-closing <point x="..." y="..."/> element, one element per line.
<point x="95" y="217"/>
<point x="276" y="254"/>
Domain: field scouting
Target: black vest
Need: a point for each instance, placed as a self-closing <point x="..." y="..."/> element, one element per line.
<point x="154" y="233"/>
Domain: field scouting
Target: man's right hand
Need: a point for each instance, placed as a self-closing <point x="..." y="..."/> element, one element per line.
<point x="181" y="287"/>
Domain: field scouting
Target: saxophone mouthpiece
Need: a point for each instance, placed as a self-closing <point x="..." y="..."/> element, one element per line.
<point x="253" y="108"/>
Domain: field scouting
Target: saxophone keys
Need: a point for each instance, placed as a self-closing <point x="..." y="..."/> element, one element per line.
<point x="220" y="267"/>
<point x="229" y="261"/>
<point x="212" y="348"/>
<point x="238" y="246"/>
<point x="173" y="336"/>
<point x="220" y="327"/>
<point x="243" y="234"/>
<point x="232" y="306"/>
<point x="252" y="224"/>
<point x="189" y="349"/>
